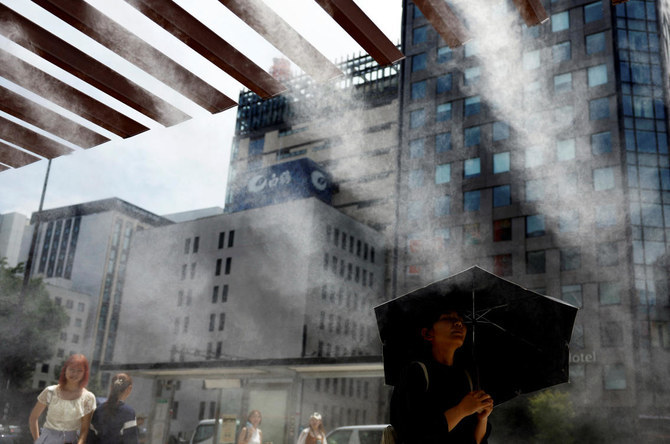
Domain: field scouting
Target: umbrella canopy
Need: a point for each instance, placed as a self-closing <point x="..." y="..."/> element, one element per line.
<point x="517" y="339"/>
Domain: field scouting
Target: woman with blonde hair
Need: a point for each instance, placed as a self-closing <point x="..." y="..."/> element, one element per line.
<point x="68" y="404"/>
<point x="315" y="433"/>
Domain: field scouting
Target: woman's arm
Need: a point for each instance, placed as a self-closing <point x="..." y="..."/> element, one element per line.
<point x="242" y="438"/>
<point x="83" y="430"/>
<point x="33" y="419"/>
<point x="482" y="423"/>
<point x="260" y="435"/>
<point x="302" y="437"/>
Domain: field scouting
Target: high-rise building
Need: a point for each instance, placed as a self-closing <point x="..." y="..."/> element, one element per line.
<point x="348" y="127"/>
<point x="84" y="248"/>
<point x="12" y="245"/>
<point x="541" y="154"/>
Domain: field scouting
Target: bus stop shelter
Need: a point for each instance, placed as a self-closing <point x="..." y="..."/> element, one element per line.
<point x="278" y="382"/>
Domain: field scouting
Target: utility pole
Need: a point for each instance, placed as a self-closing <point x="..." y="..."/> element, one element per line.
<point x="33" y="241"/>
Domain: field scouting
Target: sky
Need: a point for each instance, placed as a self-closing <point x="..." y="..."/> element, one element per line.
<point x="184" y="167"/>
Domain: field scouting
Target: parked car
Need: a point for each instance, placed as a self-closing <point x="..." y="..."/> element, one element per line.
<point x="204" y="432"/>
<point x="357" y="434"/>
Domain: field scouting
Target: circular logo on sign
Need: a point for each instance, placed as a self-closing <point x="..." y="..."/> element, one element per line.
<point x="257" y="183"/>
<point x="319" y="180"/>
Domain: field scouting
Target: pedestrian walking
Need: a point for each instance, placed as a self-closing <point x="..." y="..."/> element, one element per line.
<point x="315" y="433"/>
<point x="114" y="421"/>
<point x="68" y="404"/>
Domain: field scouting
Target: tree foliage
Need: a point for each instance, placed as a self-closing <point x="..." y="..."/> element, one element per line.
<point x="29" y="325"/>
<point x="553" y="416"/>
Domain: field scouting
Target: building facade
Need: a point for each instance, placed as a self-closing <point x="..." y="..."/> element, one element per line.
<point x="289" y="280"/>
<point x="72" y="337"/>
<point x="12" y="245"/>
<point x="84" y="248"/>
<point x="541" y="154"/>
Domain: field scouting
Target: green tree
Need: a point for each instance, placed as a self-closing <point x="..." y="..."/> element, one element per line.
<point x="29" y="325"/>
<point x="553" y="415"/>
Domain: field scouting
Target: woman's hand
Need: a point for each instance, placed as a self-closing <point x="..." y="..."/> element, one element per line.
<point x="477" y="402"/>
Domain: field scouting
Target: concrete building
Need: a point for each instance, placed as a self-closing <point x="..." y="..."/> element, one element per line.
<point x="12" y="245"/>
<point x="293" y="279"/>
<point x="541" y="154"/>
<point x="72" y="337"/>
<point x="84" y="248"/>
<point x="349" y="128"/>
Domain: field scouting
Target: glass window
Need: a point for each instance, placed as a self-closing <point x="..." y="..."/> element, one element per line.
<point x="601" y="143"/>
<point x="593" y="12"/>
<point x="534" y="190"/>
<point x="416" y="13"/>
<point x="607" y="254"/>
<point x="443" y="112"/>
<point x="609" y="293"/>
<point x="470" y="48"/>
<point x="565" y="149"/>
<point x="419" y="62"/>
<point x="417" y="118"/>
<point x="472" y="105"/>
<point x="472" y="136"/>
<point x="442" y="173"/>
<point x="502" y="196"/>
<point x="444" y="54"/>
<point x="472" y="167"/>
<point x="572" y="294"/>
<point x="535" y="262"/>
<point x="599" y="108"/>
<point x="442" y="205"/>
<point x="443" y="83"/>
<point x="418" y="90"/>
<point x="471" y="234"/>
<point x="471" y="75"/>
<point x="442" y="142"/>
<point x="568" y="221"/>
<point x="560" y="21"/>
<point x="603" y="179"/>
<point x="416" y="178"/>
<point x="561" y="52"/>
<point x="502" y="264"/>
<point x="419" y="35"/>
<point x="531" y="60"/>
<point x="530" y="32"/>
<point x="605" y="215"/>
<point x="595" y="43"/>
<point x="571" y="259"/>
<point x="534" y="156"/>
<point x="500" y="131"/>
<point x="471" y="200"/>
<point x="563" y="82"/>
<point x="597" y="75"/>
<point x="415" y="209"/>
<point x="565" y="115"/>
<point x="416" y="148"/>
<point x="615" y="377"/>
<point x="611" y="334"/>
<point x="501" y="162"/>
<point x="502" y="230"/>
<point x="535" y="225"/>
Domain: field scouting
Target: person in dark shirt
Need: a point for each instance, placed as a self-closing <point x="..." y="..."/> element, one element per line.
<point x="435" y="401"/>
<point x="114" y="421"/>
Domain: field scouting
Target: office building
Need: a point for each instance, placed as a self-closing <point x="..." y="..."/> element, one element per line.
<point x="288" y="277"/>
<point x="12" y="245"/>
<point x="554" y="175"/>
<point x="71" y="338"/>
<point x="84" y="248"/>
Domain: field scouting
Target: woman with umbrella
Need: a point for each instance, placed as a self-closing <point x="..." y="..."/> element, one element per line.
<point x="434" y="400"/>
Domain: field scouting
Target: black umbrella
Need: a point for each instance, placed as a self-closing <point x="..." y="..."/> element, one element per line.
<point x="517" y="339"/>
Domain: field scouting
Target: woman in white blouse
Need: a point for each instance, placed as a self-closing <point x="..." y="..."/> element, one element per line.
<point x="68" y="404"/>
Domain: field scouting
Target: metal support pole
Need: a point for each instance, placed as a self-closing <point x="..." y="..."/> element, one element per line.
<point x="33" y="241"/>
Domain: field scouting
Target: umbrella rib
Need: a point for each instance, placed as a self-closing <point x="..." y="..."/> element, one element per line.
<point x="513" y="335"/>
